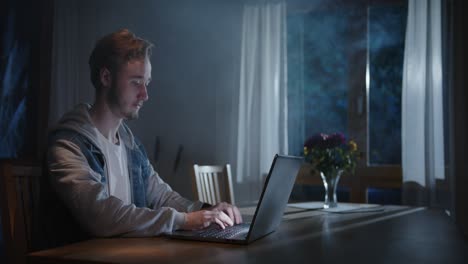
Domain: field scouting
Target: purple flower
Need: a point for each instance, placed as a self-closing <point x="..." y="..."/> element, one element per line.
<point x="324" y="141"/>
<point x="330" y="152"/>
<point x="336" y="140"/>
<point x="316" y="141"/>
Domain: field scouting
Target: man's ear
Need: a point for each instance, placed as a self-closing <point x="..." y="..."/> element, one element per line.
<point x="105" y="77"/>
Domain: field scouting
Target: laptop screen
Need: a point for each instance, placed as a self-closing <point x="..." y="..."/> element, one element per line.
<point x="275" y="195"/>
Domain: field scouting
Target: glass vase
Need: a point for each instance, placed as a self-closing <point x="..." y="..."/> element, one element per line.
<point x="330" y="182"/>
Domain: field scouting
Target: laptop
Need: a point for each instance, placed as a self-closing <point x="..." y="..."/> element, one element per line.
<point x="268" y="214"/>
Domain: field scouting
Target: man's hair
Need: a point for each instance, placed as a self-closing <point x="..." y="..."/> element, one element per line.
<point x="114" y="50"/>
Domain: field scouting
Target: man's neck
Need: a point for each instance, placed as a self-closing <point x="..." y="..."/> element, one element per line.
<point x="105" y="121"/>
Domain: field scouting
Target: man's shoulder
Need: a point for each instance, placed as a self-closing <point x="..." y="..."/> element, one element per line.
<point x="64" y="134"/>
<point x="70" y="136"/>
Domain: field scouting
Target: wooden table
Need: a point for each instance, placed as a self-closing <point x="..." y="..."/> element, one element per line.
<point x="392" y="234"/>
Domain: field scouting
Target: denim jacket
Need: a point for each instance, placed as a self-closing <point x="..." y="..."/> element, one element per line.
<point x="79" y="175"/>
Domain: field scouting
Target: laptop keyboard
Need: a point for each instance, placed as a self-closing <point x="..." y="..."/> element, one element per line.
<point x="229" y="232"/>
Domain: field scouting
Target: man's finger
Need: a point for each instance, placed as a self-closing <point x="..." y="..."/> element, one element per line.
<point x="223" y="217"/>
<point x="220" y="223"/>
<point x="237" y="215"/>
<point x="230" y="213"/>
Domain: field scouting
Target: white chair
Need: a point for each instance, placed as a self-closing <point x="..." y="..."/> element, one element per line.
<point x="213" y="184"/>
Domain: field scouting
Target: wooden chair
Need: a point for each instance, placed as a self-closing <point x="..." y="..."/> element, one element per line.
<point x="213" y="184"/>
<point x="19" y="197"/>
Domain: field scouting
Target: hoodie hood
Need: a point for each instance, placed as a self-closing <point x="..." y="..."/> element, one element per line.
<point x="78" y="120"/>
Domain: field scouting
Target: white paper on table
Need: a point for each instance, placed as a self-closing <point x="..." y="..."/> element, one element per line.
<point x="342" y="207"/>
<point x="307" y="205"/>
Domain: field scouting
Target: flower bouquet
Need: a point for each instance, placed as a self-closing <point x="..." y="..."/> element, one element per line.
<point x="331" y="155"/>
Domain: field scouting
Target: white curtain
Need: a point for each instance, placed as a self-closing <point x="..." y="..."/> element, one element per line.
<point x="262" y="120"/>
<point x="422" y="109"/>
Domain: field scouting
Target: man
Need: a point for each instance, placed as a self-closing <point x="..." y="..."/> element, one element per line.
<point x="100" y="171"/>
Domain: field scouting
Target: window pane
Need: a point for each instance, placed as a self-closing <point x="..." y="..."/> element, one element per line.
<point x="319" y="49"/>
<point x="387" y="26"/>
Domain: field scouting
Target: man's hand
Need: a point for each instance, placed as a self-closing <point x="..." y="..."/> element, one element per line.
<point x="222" y="214"/>
<point x="229" y="209"/>
<point x="204" y="218"/>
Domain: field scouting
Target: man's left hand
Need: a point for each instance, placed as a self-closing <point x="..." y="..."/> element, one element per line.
<point x="231" y="210"/>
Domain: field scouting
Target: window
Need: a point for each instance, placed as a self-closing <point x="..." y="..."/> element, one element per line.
<point x="318" y="72"/>
<point x="386" y="48"/>
<point x="345" y="63"/>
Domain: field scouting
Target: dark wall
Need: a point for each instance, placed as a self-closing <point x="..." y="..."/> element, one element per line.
<point x="458" y="120"/>
<point x="25" y="39"/>
<point x="23" y="73"/>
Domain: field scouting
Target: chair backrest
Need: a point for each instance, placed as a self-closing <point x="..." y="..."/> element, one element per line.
<point x="19" y="197"/>
<point x="213" y="184"/>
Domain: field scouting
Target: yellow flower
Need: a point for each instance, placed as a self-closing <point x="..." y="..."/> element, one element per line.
<point x="352" y="145"/>
<point x="306" y="151"/>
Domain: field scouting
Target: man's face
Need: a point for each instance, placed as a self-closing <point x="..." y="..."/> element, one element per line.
<point x="129" y="88"/>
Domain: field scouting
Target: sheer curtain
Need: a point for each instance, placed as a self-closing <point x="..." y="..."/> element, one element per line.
<point x="423" y="160"/>
<point x="262" y="120"/>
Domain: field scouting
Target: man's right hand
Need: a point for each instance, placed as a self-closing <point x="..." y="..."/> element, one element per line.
<point x="204" y="218"/>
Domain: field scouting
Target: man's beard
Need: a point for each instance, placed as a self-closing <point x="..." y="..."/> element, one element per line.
<point x="114" y="103"/>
